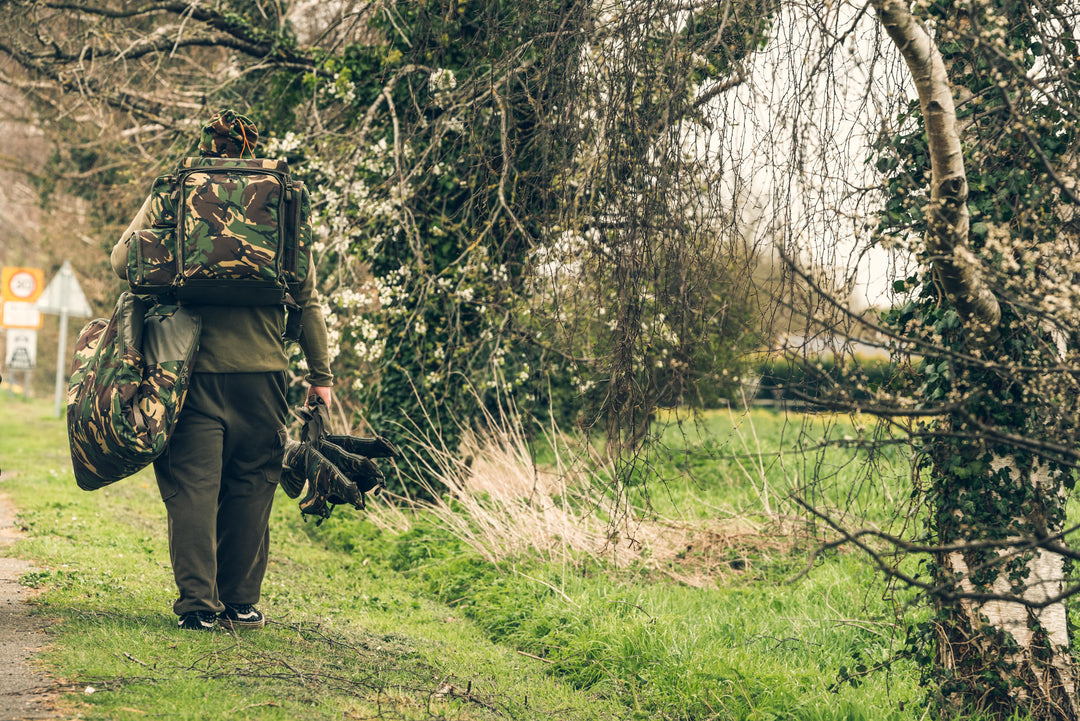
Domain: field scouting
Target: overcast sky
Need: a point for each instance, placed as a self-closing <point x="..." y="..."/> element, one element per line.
<point x="792" y="142"/>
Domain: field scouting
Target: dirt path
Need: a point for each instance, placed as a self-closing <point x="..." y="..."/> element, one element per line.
<point x="25" y="691"/>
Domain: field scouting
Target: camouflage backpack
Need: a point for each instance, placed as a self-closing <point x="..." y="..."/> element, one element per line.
<point x="128" y="381"/>
<point x="223" y="231"/>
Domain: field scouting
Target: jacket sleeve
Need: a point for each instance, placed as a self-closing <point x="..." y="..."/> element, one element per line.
<point x="118" y="257"/>
<point x="313" y="336"/>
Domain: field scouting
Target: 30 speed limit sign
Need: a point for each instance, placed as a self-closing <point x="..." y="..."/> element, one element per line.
<point x="23" y="285"/>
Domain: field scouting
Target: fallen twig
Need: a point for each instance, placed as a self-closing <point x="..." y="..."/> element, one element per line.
<point x="538" y="658"/>
<point x="129" y="657"/>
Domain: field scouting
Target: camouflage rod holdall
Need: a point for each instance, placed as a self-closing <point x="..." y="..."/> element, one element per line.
<point x="223" y="231"/>
<point x="334" y="469"/>
<point x="129" y="377"/>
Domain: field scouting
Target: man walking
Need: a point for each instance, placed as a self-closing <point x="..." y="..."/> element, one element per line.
<point x="221" y="467"/>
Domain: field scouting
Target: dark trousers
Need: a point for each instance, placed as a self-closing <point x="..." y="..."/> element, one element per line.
<point x="217" y="478"/>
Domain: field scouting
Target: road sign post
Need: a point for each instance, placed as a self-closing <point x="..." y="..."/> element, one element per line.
<point x="64" y="297"/>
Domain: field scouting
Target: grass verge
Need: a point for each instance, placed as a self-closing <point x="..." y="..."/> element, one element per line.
<point x="347" y="638"/>
<point x="415" y="623"/>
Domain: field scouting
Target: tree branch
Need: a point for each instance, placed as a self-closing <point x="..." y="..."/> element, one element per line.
<point x="948" y="217"/>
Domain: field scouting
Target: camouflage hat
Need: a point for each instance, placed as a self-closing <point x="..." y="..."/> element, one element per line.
<point x="228" y="135"/>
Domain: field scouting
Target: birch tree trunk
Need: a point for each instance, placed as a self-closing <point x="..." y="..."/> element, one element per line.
<point x="1000" y="656"/>
<point x="1025" y="647"/>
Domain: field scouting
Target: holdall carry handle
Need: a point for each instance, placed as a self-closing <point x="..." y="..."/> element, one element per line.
<point x="170" y="333"/>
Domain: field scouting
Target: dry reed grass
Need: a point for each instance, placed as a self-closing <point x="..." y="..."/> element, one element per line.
<point x="493" y="496"/>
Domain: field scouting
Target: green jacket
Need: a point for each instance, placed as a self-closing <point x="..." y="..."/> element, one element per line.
<point x="248" y="339"/>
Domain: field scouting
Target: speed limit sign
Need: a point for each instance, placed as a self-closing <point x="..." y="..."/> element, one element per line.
<point x="23" y="285"/>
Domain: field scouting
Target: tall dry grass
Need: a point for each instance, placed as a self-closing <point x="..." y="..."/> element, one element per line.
<point x="492" y="494"/>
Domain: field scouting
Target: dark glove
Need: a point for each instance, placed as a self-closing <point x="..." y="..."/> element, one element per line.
<point x="357" y="467"/>
<point x="337" y="469"/>
<point x="316" y="418"/>
<point x="327" y="486"/>
<point x="293" y="469"/>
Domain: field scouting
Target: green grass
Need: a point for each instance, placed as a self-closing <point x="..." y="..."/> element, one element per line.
<point x="751" y="649"/>
<point x="756" y="461"/>
<point x="351" y="640"/>
<point x="369" y="622"/>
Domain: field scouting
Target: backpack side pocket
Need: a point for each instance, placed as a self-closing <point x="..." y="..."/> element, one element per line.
<point x="298" y="234"/>
<point x="152" y="261"/>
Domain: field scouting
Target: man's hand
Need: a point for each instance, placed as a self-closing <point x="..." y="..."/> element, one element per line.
<point x="324" y="392"/>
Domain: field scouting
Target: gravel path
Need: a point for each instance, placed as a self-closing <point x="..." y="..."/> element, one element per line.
<point x="25" y="691"/>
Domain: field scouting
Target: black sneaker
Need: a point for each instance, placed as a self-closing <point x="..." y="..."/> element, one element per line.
<point x="241" y="616"/>
<point x="198" y="621"/>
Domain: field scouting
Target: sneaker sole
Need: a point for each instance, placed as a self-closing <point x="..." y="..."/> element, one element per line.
<point x="241" y="625"/>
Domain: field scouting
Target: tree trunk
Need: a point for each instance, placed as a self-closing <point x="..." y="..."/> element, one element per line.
<point x="996" y="655"/>
<point x="1004" y="656"/>
<point x="947" y="221"/>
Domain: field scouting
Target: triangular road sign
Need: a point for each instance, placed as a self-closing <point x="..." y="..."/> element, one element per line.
<point x="63" y="294"/>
